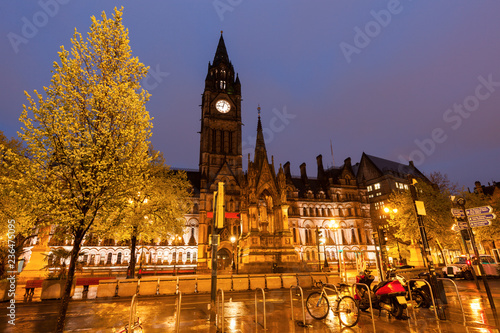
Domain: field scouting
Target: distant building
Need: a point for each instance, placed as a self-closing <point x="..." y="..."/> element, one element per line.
<point x="381" y="177"/>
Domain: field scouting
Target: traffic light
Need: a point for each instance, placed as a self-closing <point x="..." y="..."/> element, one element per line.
<point x="383" y="236"/>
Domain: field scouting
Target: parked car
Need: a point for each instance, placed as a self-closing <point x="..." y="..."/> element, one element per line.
<point x="462" y="267"/>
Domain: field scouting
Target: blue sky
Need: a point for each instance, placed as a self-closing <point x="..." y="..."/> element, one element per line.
<point x="399" y="80"/>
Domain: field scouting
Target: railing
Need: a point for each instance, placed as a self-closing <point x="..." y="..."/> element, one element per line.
<point x="458" y="296"/>
<point x="178" y="313"/>
<point x="222" y="311"/>
<point x="432" y="296"/>
<point x="302" y="301"/>
<point x="133" y="319"/>
<point x="263" y="306"/>
<point x="369" y="299"/>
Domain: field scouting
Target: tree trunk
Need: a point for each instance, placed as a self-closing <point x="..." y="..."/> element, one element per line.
<point x="69" y="283"/>
<point x="131" y="265"/>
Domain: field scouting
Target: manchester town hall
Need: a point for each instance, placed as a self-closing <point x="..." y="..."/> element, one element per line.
<point x="274" y="221"/>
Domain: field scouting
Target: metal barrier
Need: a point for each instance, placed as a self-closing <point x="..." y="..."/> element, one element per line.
<point x="303" y="308"/>
<point x="222" y="311"/>
<point x="432" y="296"/>
<point x="263" y="305"/>
<point x="133" y="314"/>
<point x="178" y="314"/>
<point x="369" y="299"/>
<point x="458" y="296"/>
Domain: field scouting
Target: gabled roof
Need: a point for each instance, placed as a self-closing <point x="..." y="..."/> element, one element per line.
<point x="391" y="167"/>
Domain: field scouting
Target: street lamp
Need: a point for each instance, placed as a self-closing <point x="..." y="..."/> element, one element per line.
<point x="388" y="210"/>
<point x="233" y="241"/>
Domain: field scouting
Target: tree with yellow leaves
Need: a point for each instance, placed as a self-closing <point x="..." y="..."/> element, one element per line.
<point x="86" y="138"/>
<point x="156" y="212"/>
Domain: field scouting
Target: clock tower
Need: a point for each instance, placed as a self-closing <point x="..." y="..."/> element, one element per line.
<point x="220" y="153"/>
<point x="220" y="139"/>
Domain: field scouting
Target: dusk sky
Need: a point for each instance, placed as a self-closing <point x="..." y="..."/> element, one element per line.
<point x="400" y="80"/>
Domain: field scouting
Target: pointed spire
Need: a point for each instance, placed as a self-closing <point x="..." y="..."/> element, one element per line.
<point x="260" y="145"/>
<point x="221" y="53"/>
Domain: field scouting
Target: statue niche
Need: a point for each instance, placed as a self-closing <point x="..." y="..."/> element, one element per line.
<point x="265" y="209"/>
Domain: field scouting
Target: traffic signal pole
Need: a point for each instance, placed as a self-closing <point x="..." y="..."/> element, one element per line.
<point x="218" y="223"/>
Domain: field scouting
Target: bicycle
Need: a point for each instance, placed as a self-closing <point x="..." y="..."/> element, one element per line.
<point x="346" y="309"/>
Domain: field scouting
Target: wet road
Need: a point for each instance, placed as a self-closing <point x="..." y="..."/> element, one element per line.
<point x="158" y="314"/>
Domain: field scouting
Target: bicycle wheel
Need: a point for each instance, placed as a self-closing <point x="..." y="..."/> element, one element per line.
<point x="348" y="311"/>
<point x="317" y="305"/>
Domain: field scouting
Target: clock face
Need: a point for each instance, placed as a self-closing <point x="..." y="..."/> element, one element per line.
<point x="223" y="106"/>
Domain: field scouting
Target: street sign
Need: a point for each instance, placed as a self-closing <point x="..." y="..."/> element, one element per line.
<point x="480" y="223"/>
<point x="457" y="212"/>
<point x="479" y="210"/>
<point x="479" y="218"/>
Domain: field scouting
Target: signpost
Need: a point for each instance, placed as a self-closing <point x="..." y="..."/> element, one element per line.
<point x="478" y="212"/>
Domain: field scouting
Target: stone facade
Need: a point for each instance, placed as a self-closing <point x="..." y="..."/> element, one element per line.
<point x="275" y="218"/>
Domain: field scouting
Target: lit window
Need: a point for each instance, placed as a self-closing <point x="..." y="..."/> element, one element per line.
<point x="378" y="193"/>
<point x="369" y="188"/>
<point x="406" y="187"/>
<point x="370" y="196"/>
<point x="377" y="186"/>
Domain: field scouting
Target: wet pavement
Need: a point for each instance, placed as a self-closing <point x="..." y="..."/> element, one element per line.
<point x="158" y="314"/>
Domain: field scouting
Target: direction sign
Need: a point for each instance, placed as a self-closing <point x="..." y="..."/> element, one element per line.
<point x="483" y="223"/>
<point x="479" y="210"/>
<point x="484" y="217"/>
<point x="457" y="212"/>
<point x="480" y="223"/>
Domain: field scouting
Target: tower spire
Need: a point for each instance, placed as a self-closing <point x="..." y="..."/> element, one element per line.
<point x="260" y="144"/>
<point x="221" y="53"/>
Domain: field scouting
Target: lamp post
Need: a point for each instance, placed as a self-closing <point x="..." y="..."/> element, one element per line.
<point x="318" y="243"/>
<point x="176" y="240"/>
<point x="323" y="240"/>
<point x="420" y="212"/>
<point x="335" y="226"/>
<point x="390" y="211"/>
<point x="233" y="240"/>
